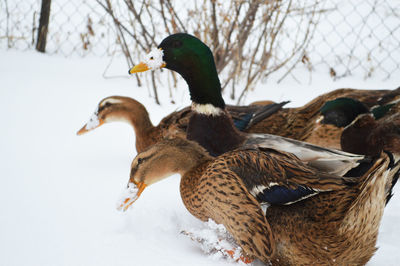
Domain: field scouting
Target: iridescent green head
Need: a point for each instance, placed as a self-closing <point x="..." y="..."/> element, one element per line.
<point x="191" y="58"/>
<point x="194" y="61"/>
<point x="342" y="111"/>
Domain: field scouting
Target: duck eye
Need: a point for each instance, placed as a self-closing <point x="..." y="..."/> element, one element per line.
<point x="177" y="44"/>
<point x="151" y="58"/>
<point x="107" y="104"/>
<point x="139" y="161"/>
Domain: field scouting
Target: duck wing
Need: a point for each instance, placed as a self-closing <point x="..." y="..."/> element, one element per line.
<point x="178" y="119"/>
<point x="276" y="177"/>
<point x="245" y="117"/>
<point x="325" y="160"/>
<point x="226" y="201"/>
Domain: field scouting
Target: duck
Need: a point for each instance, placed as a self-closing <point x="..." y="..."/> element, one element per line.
<point x="312" y="217"/>
<point x="369" y="136"/>
<point x="307" y="123"/>
<point x="212" y="127"/>
<point x="126" y="109"/>
<point x="211" y="124"/>
<point x="304" y="123"/>
<point x="365" y="131"/>
<point x="120" y="108"/>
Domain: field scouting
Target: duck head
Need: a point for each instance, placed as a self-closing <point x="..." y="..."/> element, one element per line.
<point x="118" y="108"/>
<point x="355" y="137"/>
<point x="372" y="133"/>
<point x="342" y="111"/>
<point x="161" y="160"/>
<point x="193" y="60"/>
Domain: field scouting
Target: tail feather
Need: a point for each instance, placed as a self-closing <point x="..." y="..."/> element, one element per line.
<point x="265" y="112"/>
<point x="374" y="191"/>
<point x="245" y="117"/>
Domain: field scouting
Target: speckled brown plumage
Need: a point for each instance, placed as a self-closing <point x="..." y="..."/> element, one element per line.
<point x="336" y="226"/>
<point x="301" y="123"/>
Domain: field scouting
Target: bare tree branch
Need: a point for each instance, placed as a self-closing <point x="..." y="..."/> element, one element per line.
<point x="245" y="35"/>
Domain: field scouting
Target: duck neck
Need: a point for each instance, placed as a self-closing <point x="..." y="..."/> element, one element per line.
<point x="210" y="125"/>
<point x="204" y="85"/>
<point x="145" y="131"/>
<point x="214" y="130"/>
<point x="191" y="161"/>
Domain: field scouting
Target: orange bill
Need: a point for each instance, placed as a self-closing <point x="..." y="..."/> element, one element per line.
<point x="88" y="127"/>
<point x="132" y="197"/>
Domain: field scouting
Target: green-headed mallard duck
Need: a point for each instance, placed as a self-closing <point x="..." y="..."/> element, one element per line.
<point x="304" y="123"/>
<point x="313" y="218"/>
<point x="211" y="125"/>
<point x="365" y="131"/>
<point x="120" y="108"/>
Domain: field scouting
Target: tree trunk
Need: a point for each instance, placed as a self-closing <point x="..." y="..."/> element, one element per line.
<point x="43" y="26"/>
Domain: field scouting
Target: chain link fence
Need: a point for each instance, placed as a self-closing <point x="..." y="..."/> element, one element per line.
<point x="76" y="27"/>
<point x="359" y="37"/>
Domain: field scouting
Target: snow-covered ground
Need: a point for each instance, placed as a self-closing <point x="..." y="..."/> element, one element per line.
<point x="58" y="191"/>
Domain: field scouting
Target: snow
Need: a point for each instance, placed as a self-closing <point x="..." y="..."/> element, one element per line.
<point x="93" y="121"/>
<point x="154" y="59"/>
<point x="128" y="197"/>
<point x="58" y="190"/>
<point x="214" y="239"/>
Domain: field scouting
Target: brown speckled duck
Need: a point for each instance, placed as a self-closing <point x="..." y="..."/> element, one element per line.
<point x="365" y="131"/>
<point x="313" y="218"/>
<point x="125" y="109"/>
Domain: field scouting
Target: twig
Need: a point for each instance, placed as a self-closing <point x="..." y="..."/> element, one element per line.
<point x="164" y="18"/>
<point x="245" y="39"/>
<point x="169" y="5"/>
<point x="153" y="82"/>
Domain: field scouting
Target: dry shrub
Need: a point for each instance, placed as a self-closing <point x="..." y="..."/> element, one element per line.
<point x="249" y="39"/>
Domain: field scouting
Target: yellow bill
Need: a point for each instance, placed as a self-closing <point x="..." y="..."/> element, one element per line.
<point x="153" y="60"/>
